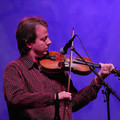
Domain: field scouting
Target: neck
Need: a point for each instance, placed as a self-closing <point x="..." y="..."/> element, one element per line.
<point x="37" y="58"/>
<point x="33" y="56"/>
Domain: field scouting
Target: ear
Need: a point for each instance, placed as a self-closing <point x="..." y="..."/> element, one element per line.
<point x="28" y="44"/>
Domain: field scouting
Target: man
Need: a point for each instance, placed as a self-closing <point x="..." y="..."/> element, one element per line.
<point x="33" y="94"/>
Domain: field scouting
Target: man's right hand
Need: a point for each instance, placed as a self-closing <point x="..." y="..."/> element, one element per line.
<point x="64" y="95"/>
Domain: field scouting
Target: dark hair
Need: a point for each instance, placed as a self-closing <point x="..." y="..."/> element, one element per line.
<point x="26" y="31"/>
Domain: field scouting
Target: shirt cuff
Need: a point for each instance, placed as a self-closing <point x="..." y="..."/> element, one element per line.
<point x="97" y="82"/>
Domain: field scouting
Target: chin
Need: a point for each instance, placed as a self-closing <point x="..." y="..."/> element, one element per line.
<point x="44" y="54"/>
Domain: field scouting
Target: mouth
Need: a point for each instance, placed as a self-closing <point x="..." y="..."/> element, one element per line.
<point x="46" y="49"/>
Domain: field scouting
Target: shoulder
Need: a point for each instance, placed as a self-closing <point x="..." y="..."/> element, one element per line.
<point x="14" y="65"/>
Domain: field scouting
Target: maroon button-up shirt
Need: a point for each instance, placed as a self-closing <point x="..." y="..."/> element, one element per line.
<point x="29" y="92"/>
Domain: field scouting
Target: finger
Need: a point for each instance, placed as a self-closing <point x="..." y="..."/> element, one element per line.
<point x="68" y="95"/>
<point x="65" y="95"/>
<point x="107" y="66"/>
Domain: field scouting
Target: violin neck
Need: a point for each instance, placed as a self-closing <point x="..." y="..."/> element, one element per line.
<point x="78" y="61"/>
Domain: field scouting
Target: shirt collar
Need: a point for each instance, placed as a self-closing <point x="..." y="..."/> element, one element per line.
<point x="28" y="61"/>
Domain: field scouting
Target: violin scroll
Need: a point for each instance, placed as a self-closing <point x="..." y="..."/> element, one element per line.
<point x="116" y="73"/>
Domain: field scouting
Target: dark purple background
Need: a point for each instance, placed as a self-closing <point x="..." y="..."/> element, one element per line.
<point x="97" y="22"/>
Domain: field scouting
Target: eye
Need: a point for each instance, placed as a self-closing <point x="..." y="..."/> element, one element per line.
<point x="44" y="38"/>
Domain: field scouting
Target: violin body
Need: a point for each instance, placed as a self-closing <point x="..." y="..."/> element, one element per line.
<point x="56" y="62"/>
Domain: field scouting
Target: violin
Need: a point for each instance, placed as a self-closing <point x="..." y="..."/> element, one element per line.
<point x="55" y="62"/>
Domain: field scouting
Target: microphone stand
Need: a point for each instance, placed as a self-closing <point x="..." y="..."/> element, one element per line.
<point x="108" y="88"/>
<point x="107" y="93"/>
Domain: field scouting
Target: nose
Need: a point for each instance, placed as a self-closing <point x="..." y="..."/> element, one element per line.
<point x="48" y="42"/>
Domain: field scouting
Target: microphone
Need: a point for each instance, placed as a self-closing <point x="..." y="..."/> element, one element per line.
<point x="64" y="49"/>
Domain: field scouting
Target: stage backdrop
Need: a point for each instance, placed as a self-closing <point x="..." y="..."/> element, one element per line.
<point x="97" y="22"/>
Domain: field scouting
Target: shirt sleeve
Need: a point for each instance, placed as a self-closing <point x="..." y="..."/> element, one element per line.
<point x="16" y="94"/>
<point x="84" y="96"/>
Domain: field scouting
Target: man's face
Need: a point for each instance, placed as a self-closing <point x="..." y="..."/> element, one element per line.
<point x="40" y="47"/>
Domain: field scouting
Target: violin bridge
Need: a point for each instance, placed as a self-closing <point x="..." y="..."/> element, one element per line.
<point x="63" y="64"/>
